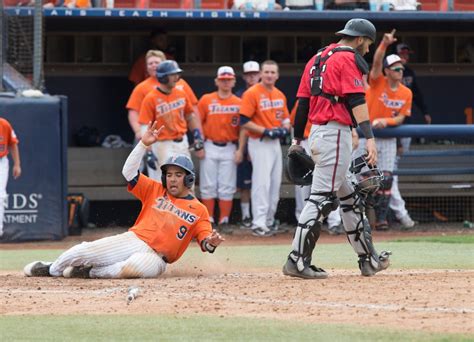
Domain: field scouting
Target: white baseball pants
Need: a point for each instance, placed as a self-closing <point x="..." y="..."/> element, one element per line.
<point x="266" y="179"/>
<point x="4" y="169"/>
<point x="119" y="256"/>
<point x="218" y="172"/>
<point x="163" y="150"/>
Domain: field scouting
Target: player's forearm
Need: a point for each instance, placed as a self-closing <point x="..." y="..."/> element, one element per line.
<point x="15" y="152"/>
<point x="361" y="115"/>
<point x="243" y="138"/>
<point x="377" y="65"/>
<point x="133" y="120"/>
<point x="253" y="127"/>
<point x="194" y="122"/>
<point x="132" y="164"/>
<point x="399" y="119"/>
<point x="301" y="117"/>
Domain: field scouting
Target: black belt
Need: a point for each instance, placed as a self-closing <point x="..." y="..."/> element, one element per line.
<point x="178" y="140"/>
<point x="223" y="144"/>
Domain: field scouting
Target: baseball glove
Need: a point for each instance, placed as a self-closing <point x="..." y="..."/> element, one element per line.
<point x="299" y="167"/>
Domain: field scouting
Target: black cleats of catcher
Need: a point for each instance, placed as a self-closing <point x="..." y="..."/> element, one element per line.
<point x="309" y="272"/>
<point x="368" y="270"/>
<point x="37" y="269"/>
<point x="77" y="272"/>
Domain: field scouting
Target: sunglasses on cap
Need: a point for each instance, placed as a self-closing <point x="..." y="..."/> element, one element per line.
<point x="398" y="69"/>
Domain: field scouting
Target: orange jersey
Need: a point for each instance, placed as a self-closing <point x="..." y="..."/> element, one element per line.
<point x="168" y="224"/>
<point x="292" y="119"/>
<point x="265" y="108"/>
<point x="142" y="90"/>
<point x="79" y="3"/>
<point x="168" y="110"/>
<point x="184" y="86"/>
<point x="7" y="137"/>
<point x="220" y="117"/>
<point x="383" y="102"/>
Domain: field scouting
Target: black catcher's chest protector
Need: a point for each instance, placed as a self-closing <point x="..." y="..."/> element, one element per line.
<point x="319" y="68"/>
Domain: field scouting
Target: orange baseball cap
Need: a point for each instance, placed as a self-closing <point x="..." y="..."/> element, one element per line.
<point x="225" y="73"/>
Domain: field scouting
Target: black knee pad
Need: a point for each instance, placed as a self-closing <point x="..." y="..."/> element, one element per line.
<point x="328" y="204"/>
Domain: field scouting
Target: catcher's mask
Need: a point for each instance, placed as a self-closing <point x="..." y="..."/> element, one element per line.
<point x="368" y="177"/>
<point x="299" y="168"/>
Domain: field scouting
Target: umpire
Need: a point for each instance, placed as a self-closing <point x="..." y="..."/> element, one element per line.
<point x="332" y="95"/>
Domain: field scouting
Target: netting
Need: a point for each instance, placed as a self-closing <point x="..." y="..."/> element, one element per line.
<point x="19" y="44"/>
<point x="22" y="45"/>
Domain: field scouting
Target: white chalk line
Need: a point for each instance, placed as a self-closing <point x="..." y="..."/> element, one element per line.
<point x="253" y="300"/>
<point x="105" y="291"/>
<point x="281" y="302"/>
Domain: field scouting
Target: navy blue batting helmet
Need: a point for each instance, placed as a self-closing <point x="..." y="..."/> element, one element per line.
<point x="358" y="27"/>
<point x="165" y="69"/>
<point x="183" y="162"/>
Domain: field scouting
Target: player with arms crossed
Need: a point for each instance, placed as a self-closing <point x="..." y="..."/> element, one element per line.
<point x="332" y="92"/>
<point x="170" y="218"/>
<point x="264" y="114"/>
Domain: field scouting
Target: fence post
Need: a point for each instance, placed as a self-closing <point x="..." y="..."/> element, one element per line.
<point x="38" y="45"/>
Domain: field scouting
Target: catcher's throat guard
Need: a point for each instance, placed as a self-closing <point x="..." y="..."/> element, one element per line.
<point x="299" y="168"/>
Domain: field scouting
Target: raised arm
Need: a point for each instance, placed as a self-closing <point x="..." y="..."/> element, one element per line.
<point x="377" y="65"/>
<point x="132" y="164"/>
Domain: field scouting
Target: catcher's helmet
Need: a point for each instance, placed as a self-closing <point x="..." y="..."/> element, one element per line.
<point x="368" y="177"/>
<point x="358" y="28"/>
<point x="183" y="162"/>
<point x="299" y="168"/>
<point x="166" y="68"/>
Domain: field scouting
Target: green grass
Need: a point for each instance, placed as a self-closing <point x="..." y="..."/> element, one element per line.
<point x="412" y="254"/>
<point x="467" y="239"/>
<point x="193" y="328"/>
<point x="440" y="252"/>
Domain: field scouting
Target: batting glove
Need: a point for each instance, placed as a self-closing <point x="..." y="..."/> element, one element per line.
<point x="273" y="133"/>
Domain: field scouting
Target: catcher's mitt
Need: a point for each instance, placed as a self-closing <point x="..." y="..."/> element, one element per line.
<point x="299" y="167"/>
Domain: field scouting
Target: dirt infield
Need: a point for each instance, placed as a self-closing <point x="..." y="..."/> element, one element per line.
<point x="428" y="300"/>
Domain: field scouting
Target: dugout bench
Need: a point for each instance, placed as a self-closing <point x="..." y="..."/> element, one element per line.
<point x="97" y="173"/>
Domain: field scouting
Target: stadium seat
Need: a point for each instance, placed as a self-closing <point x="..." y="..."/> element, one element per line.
<point x="165" y="4"/>
<point x="464" y="5"/>
<point x="214" y="4"/>
<point x="434" y="5"/>
<point x="10" y="3"/>
<point x="126" y="4"/>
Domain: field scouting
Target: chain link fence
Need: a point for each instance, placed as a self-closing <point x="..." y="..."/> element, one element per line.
<point x="21" y="53"/>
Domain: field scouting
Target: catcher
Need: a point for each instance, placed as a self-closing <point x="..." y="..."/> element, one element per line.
<point x="170" y="218"/>
<point x="366" y="180"/>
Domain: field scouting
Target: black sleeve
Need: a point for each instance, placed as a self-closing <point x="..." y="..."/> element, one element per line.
<point x="134" y="181"/>
<point x="244" y="119"/>
<point x="355" y="99"/>
<point x="301" y="117"/>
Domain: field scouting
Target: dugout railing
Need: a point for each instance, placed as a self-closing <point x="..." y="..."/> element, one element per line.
<point x="431" y="172"/>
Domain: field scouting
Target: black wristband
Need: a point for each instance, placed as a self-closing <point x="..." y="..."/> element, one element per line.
<point x="366" y="129"/>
